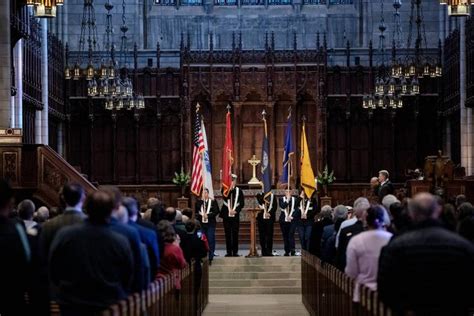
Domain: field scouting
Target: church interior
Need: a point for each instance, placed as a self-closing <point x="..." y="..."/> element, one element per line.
<point x="284" y="129"/>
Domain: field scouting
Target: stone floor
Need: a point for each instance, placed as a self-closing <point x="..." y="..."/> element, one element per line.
<point x="261" y="305"/>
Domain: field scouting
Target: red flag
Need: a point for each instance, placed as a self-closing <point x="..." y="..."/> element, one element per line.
<point x="227" y="158"/>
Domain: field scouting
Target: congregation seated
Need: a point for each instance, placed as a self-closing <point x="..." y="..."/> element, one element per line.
<point x="427" y="269"/>
<point x="91" y="265"/>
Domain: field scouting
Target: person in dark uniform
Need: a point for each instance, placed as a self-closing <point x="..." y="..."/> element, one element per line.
<point x="206" y="213"/>
<point x="230" y="213"/>
<point x="265" y="220"/>
<point x="305" y="223"/>
<point x="290" y="213"/>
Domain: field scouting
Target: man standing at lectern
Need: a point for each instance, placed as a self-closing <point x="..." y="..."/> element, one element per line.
<point x="230" y="213"/>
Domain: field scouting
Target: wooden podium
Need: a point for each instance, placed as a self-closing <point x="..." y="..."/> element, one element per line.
<point x="253" y="232"/>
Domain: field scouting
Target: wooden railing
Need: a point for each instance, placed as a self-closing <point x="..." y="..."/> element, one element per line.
<point x="161" y="299"/>
<point x="327" y="291"/>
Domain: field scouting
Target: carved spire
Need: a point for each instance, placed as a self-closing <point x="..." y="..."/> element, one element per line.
<point x="266" y="41"/>
<point x="211" y="41"/>
<point x="233" y="40"/>
<point x="295" y="42"/>
<point x="273" y="41"/>
<point x="158" y="55"/>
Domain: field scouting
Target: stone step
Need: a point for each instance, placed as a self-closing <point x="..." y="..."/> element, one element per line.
<point x="254" y="275"/>
<point x="230" y="283"/>
<point x="254" y="268"/>
<point x="255" y="290"/>
<point x="265" y="261"/>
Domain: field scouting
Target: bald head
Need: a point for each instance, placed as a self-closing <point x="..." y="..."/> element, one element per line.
<point x="374" y="182"/>
<point x="423" y="207"/>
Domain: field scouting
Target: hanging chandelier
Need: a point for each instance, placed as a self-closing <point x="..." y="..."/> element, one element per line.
<point x="458" y="7"/>
<point x="104" y="79"/>
<point x="44" y="8"/>
<point x="402" y="78"/>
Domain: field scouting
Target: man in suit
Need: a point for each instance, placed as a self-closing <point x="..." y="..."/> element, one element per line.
<point x="16" y="257"/>
<point x="290" y="213"/>
<point x="147" y="236"/>
<point x="230" y="213"/>
<point x="265" y="220"/>
<point x="206" y="212"/>
<point x="386" y="187"/>
<point x="133" y="237"/>
<point x="90" y="264"/>
<point x="73" y="195"/>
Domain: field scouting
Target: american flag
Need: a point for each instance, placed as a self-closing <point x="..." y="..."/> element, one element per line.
<point x="198" y="149"/>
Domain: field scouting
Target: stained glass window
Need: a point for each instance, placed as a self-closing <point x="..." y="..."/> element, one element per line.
<point x="225" y="2"/>
<point x="279" y="2"/>
<point x="252" y="2"/>
<point x="166" y="2"/>
<point x="191" y="2"/>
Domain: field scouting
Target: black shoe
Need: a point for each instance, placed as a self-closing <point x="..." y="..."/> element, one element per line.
<point x="236" y="255"/>
<point x="286" y="254"/>
<point x="293" y="253"/>
<point x="210" y="262"/>
<point x="228" y="255"/>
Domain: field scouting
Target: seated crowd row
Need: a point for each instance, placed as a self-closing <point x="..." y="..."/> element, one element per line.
<point x="418" y="254"/>
<point x="95" y="253"/>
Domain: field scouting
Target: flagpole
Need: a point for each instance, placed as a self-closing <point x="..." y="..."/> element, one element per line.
<point x="289" y="158"/>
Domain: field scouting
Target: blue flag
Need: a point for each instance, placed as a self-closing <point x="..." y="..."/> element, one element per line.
<point x="288" y="151"/>
<point x="266" y="167"/>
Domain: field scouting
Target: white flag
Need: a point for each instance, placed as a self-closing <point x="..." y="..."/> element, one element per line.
<point x="206" y="164"/>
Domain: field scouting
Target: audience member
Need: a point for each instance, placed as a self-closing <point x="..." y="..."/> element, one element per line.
<point x="448" y="217"/>
<point x="348" y="232"/>
<point x="465" y="210"/>
<point x="90" y="264"/>
<point x="364" y="249"/>
<point x="460" y="199"/>
<point x="131" y="234"/>
<point x="16" y="256"/>
<point x="73" y="196"/>
<point x="157" y="213"/>
<point x="187" y="214"/>
<point x="42" y="215"/>
<point x="147" y="236"/>
<point x="466" y="228"/>
<point x="195" y="248"/>
<point x="417" y="267"/>
<point x="401" y="221"/>
<point x="172" y="260"/>
<point x="340" y="213"/>
<point x="360" y="206"/>
<point x="26" y="211"/>
<point x="323" y="219"/>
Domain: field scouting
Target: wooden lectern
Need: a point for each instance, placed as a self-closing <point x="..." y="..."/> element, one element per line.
<point x="253" y="232"/>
